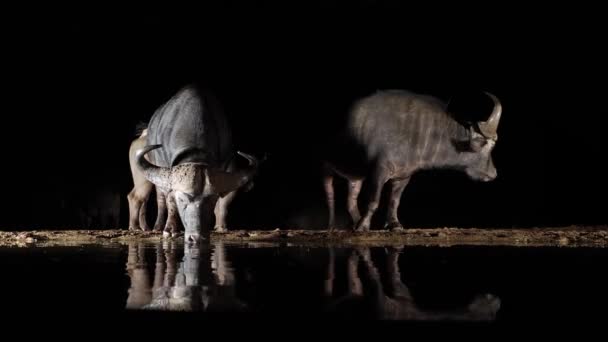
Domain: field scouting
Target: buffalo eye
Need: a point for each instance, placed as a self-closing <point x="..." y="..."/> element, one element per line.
<point x="478" y="143"/>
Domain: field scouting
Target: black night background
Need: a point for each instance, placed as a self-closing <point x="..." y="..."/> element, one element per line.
<point x="78" y="80"/>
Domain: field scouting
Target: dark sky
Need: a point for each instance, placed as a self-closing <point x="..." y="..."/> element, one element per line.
<point x="77" y="80"/>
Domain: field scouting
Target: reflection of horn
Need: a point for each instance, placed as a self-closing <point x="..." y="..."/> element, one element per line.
<point x="160" y="176"/>
<point x="489" y="127"/>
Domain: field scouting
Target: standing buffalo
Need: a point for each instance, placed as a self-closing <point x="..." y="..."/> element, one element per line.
<point x="391" y="135"/>
<point x="192" y="149"/>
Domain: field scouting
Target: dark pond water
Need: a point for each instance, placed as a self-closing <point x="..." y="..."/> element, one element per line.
<point x="473" y="285"/>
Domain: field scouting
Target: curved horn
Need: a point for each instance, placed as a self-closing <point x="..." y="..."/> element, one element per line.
<point x="489" y="127"/>
<point x="160" y="176"/>
<point x="252" y="160"/>
<point x="223" y="182"/>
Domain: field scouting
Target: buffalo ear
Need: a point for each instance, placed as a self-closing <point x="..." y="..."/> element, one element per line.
<point x="477" y="141"/>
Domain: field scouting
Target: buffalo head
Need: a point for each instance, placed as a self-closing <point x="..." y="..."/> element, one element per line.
<point x="194" y="185"/>
<point x="483" y="137"/>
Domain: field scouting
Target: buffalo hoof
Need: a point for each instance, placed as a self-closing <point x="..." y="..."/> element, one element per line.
<point x="132" y="228"/>
<point x="171" y="233"/>
<point x="362" y="227"/>
<point x="394" y="227"/>
<point x="219" y="229"/>
<point x="171" y="230"/>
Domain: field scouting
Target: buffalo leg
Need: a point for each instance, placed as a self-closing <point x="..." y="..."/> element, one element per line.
<point x="354" y="187"/>
<point x="221" y="211"/>
<point x="171" y="228"/>
<point x="161" y="216"/>
<point x="328" y="185"/>
<point x="378" y="179"/>
<point x="138" y="198"/>
<point x="397" y="187"/>
<point x="143" y="209"/>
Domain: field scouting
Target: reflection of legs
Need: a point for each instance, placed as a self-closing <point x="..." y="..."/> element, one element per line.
<point x="220" y="266"/>
<point x="221" y="211"/>
<point x="328" y="185"/>
<point x="159" y="270"/>
<point x="355" y="288"/>
<point x="397" y="187"/>
<point x="161" y="216"/>
<point x="171" y="263"/>
<point x="328" y="286"/>
<point x="398" y="288"/>
<point x="372" y="273"/>
<point x="132" y="256"/>
<point x="354" y="187"/>
<point x="139" y="293"/>
<point x="377" y="181"/>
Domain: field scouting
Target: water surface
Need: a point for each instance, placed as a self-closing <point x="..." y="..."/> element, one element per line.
<point x="485" y="285"/>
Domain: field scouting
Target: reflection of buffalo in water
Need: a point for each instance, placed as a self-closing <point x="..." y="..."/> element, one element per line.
<point x="397" y="302"/>
<point x="203" y="281"/>
<point x="189" y="285"/>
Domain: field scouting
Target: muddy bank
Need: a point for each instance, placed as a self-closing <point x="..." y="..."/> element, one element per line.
<point x="573" y="236"/>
